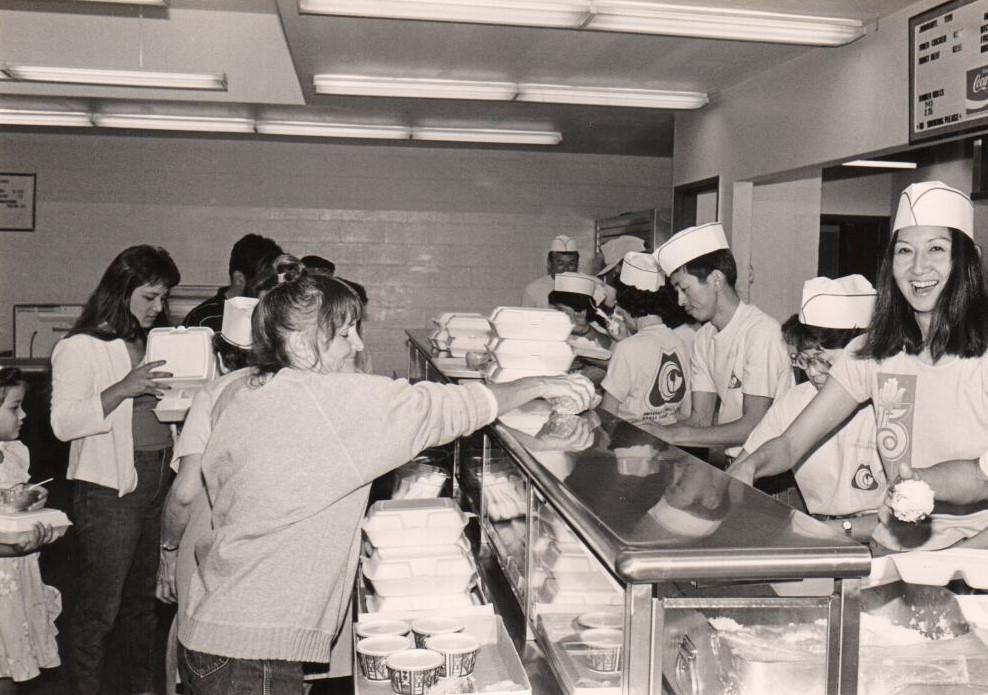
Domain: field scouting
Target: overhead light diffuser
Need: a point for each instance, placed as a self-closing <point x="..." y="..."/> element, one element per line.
<point x="544" y="13"/>
<point x="159" y="3"/>
<point x="333" y="130"/>
<point x="643" y="17"/>
<point x="514" y="137"/>
<point x="880" y="164"/>
<point x="117" y="78"/>
<point x="165" y="122"/>
<point x="359" y="85"/>
<point x="45" y="118"/>
<point x="608" y="96"/>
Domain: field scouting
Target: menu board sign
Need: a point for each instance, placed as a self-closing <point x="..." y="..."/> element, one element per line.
<point x="948" y="70"/>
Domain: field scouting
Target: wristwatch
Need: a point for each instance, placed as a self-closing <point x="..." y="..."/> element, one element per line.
<point x="846" y="525"/>
<point x="168" y="547"/>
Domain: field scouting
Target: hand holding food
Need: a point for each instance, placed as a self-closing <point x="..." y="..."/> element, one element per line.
<point x="570" y="394"/>
<point x="911" y="500"/>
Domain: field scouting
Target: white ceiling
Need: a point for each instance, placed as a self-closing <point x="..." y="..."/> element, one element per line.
<point x="270" y="52"/>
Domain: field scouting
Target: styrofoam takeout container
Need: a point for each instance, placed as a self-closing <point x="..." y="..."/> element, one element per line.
<point x="443" y="319"/>
<point x="416" y="576"/>
<point x="544" y="355"/>
<point x="188" y="356"/>
<point x="497" y="374"/>
<point x="16" y="527"/>
<point x="392" y="523"/>
<point x="530" y="324"/>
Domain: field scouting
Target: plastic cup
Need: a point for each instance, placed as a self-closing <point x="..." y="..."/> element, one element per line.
<point x="371" y="628"/>
<point x="603" y="649"/>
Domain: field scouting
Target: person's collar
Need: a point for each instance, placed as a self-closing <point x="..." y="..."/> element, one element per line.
<point x="727" y="308"/>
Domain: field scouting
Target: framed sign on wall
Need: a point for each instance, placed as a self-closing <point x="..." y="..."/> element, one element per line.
<point x="17" y="202"/>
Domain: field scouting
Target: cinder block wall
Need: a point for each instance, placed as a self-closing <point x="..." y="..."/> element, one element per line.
<point x="425" y="229"/>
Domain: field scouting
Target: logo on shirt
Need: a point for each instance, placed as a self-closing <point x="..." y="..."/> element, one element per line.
<point x="864" y="479"/>
<point x="734" y="383"/>
<point x="894" y="413"/>
<point x="670" y="384"/>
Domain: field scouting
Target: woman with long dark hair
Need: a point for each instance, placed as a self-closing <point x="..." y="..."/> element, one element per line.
<point x="103" y="396"/>
<point x="922" y="363"/>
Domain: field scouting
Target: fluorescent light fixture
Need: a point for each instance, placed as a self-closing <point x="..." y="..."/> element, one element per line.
<point x="643" y="17"/>
<point x="540" y="13"/>
<point x="45" y="118"/>
<point x="158" y="3"/>
<point x="333" y="130"/>
<point x="164" y="122"/>
<point x="117" y="78"/>
<point x="609" y="96"/>
<point x="360" y="85"/>
<point x="880" y="164"/>
<point x="514" y="137"/>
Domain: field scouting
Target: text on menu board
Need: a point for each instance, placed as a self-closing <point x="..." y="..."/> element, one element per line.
<point x="949" y="69"/>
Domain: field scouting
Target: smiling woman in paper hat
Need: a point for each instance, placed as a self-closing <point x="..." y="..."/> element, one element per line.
<point x="922" y="363"/>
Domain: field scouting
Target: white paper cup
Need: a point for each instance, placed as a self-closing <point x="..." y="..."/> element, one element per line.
<point x="601" y="619"/>
<point x="413" y="671"/>
<point x="437" y="625"/>
<point x="372" y="652"/>
<point x="371" y="628"/>
<point x="603" y="649"/>
<point x="459" y="652"/>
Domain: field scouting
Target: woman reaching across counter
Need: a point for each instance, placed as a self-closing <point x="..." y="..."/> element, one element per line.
<point x="922" y="362"/>
<point x="288" y="470"/>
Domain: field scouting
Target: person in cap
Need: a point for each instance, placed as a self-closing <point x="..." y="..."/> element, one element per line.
<point x="841" y="480"/>
<point x="563" y="258"/>
<point x="922" y="363"/>
<point x="612" y="253"/>
<point x="574" y="296"/>
<point x="739" y="359"/>
<point x="647" y="375"/>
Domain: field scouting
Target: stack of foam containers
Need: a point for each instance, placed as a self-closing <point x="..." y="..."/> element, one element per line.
<point x="566" y="571"/>
<point x="418" y="558"/>
<point x="460" y="333"/>
<point x="528" y="342"/>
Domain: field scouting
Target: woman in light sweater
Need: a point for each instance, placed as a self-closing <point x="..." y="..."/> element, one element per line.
<point x="102" y="401"/>
<point x="288" y="469"/>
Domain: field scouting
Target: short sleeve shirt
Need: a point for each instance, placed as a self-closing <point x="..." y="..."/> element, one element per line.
<point x="647" y="375"/>
<point x="537" y="293"/>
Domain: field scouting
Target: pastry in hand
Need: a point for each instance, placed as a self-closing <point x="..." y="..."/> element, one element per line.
<point x="911" y="500"/>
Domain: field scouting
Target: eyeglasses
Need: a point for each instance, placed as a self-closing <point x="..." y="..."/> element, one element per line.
<point x="804" y="360"/>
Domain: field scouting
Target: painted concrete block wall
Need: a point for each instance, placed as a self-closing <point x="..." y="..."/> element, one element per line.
<point x="426" y="230"/>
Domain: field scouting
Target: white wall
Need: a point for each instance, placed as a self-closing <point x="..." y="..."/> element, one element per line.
<point x="867" y="194"/>
<point x="426" y="230"/>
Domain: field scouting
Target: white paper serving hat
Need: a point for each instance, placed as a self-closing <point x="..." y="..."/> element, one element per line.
<point x="562" y="244"/>
<point x="616" y="249"/>
<point x="236" y="321"/>
<point x="577" y="283"/>
<point x="691" y="243"/>
<point x="846" y="302"/>
<point x="934" y="204"/>
<point x="641" y="270"/>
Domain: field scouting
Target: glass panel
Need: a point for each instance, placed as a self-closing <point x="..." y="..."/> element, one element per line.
<point x="505" y="504"/>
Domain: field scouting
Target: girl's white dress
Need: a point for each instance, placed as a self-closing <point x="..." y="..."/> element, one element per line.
<point x="28" y="607"/>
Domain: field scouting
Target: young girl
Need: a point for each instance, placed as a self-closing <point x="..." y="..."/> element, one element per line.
<point x="28" y="608"/>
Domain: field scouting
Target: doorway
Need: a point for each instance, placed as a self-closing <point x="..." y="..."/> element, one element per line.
<point x="852" y="244"/>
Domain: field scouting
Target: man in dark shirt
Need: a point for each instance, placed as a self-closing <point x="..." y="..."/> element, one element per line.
<point x="245" y="258"/>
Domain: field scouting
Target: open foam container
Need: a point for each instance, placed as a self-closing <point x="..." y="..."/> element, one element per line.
<point x="188" y="356"/>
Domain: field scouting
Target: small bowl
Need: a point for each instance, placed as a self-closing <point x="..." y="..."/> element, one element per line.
<point x="436" y="625"/>
<point x="372" y="652"/>
<point x="613" y="620"/>
<point x="603" y="649"/>
<point x="372" y="628"/>
<point x="459" y="652"/>
<point x="19" y="499"/>
<point x="413" y="671"/>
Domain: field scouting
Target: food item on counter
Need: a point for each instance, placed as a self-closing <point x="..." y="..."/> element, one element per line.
<point x="911" y="500"/>
<point x="423" y="628"/>
<point x="459" y="652"/>
<point x="372" y="653"/>
<point x="413" y="671"/>
<point x="568" y="406"/>
<point x="603" y="648"/>
<point x="560" y="425"/>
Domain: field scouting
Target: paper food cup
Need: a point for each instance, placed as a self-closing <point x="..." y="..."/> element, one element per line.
<point x="372" y="653"/>
<point x="413" y="671"/>
<point x="603" y="649"/>
<point x="372" y="628"/>
<point x="459" y="652"/>
<point x="437" y="625"/>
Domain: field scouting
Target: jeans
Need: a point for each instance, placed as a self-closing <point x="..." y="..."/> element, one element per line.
<point x="208" y="674"/>
<point x="118" y="565"/>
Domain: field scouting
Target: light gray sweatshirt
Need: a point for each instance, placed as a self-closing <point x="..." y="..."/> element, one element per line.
<point x="288" y="469"/>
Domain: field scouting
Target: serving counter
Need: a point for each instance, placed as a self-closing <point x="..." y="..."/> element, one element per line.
<point x="619" y="557"/>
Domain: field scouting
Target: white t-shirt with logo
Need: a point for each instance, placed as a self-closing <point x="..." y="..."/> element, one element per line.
<point x="925" y="414"/>
<point x="843" y="474"/>
<point x="647" y="375"/>
<point x="536" y="294"/>
<point x="747" y="357"/>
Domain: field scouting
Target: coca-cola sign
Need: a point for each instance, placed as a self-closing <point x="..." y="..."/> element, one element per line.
<point x="977" y="83"/>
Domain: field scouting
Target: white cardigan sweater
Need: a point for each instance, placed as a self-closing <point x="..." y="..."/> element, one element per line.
<point x="102" y="450"/>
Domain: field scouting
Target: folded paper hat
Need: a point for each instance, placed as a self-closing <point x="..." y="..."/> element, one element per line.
<point x="236" y="321"/>
<point x="846" y="302"/>
<point x="562" y="244"/>
<point x="642" y="271"/>
<point x="934" y="204"/>
<point x="690" y="243"/>
<point x="616" y="249"/>
<point x="576" y="283"/>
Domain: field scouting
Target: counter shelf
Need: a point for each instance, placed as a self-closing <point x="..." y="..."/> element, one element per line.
<point x="616" y="503"/>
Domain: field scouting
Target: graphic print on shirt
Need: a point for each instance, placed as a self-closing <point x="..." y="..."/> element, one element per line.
<point x="734" y="383"/>
<point x="864" y="479"/>
<point x="894" y="413"/>
<point x="669" y="388"/>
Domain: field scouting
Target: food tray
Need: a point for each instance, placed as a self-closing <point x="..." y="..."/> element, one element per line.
<point x="530" y="324"/>
<point x="562" y="644"/>
<point x="498" y="671"/>
<point x="392" y="523"/>
<point x="417" y="576"/>
<point x="556" y="356"/>
<point x="16" y="527"/>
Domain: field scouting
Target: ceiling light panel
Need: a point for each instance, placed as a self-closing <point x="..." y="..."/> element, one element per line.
<point x="155" y="3"/>
<point x="142" y="121"/>
<point x="333" y="130"/>
<point x="514" y="137"/>
<point x="608" y="96"/>
<point x="558" y="13"/>
<point x="880" y="164"/>
<point x="116" y="78"/>
<point x="358" y="85"/>
<point x="60" y="119"/>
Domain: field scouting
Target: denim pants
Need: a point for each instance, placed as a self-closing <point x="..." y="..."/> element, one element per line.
<point x="208" y="674"/>
<point x="118" y="565"/>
